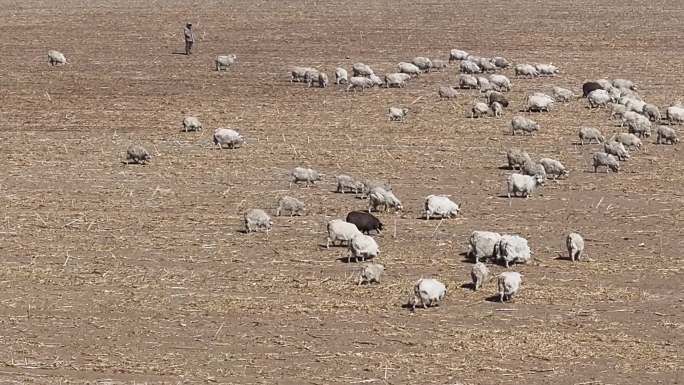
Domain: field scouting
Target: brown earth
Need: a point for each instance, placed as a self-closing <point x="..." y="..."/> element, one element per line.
<point x="140" y="274"/>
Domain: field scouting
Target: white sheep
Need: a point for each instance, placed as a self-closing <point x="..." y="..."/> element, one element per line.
<point x="598" y="98"/>
<point x="533" y="169"/>
<point x="321" y="78"/>
<point x="397" y="114"/>
<point x="360" y="69"/>
<point x="377" y="80"/>
<point x="363" y="247"/>
<point x="563" y="95"/>
<point x="341" y="232"/>
<point x="306" y="175"/>
<point x="256" y="220"/>
<point x="467" y="81"/>
<point x="547" y="69"/>
<point x="675" y="114"/>
<point x="409" y="68"/>
<point x="666" y="135"/>
<point x="486" y="64"/>
<point x="378" y="196"/>
<point x="633" y="104"/>
<point x="575" y="245"/>
<point x="447" y="92"/>
<point x="516" y="158"/>
<point x="521" y="123"/>
<point x="311" y="76"/>
<point x="538" y="102"/>
<point x="478" y="110"/>
<point x="479" y="274"/>
<point x="346" y="183"/>
<point x="640" y="126"/>
<point x="227" y="137"/>
<point x="526" y="70"/>
<point x="440" y="206"/>
<point x="484" y="84"/>
<point x="652" y="112"/>
<point x="512" y="249"/>
<point x="369" y="185"/>
<point x="396" y="79"/>
<point x="628" y="140"/>
<point x="297" y="74"/>
<point x="360" y="82"/>
<point x="440" y="64"/>
<point x="501" y="62"/>
<point x="497" y="109"/>
<point x="482" y="244"/>
<point x="225" y="61"/>
<point x="457" y="54"/>
<point x="500" y="83"/>
<point x="423" y="63"/>
<point x="341" y="76"/>
<point x="553" y="168"/>
<point x="624" y="84"/>
<point x="289" y="204"/>
<point x="137" y="154"/>
<point x="617" y="149"/>
<point x="601" y="159"/>
<point x="508" y="284"/>
<point x="191" y="123"/>
<point x="371" y="272"/>
<point x="524" y="185"/>
<point x="469" y="67"/>
<point x="56" y="57"/>
<point x="617" y="110"/>
<point x="589" y="134"/>
<point x="428" y="292"/>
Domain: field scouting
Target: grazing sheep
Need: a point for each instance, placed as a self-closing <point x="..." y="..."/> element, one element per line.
<point x="341" y="76"/>
<point x="306" y="175"/>
<point x="512" y="249"/>
<point x="423" y="63"/>
<point x="666" y="135"/>
<point x="321" y="78"/>
<point x="486" y="65"/>
<point x="575" y="245"/>
<point x="624" y="84"/>
<point x="396" y="79"/>
<point x="256" y="220"/>
<point x="428" y="291"/>
<point x="56" y="57"/>
<point x="533" y="169"/>
<point x="546" y="69"/>
<point x="495" y="96"/>
<point x="311" y="76"/>
<point x="500" y="83"/>
<point x="466" y="81"/>
<point x="397" y="114"/>
<point x="297" y="74"/>
<point x="360" y="82"/>
<point x="137" y="154"/>
<point x="469" y="67"/>
<point x="227" y="137"/>
<point x="553" y="168"/>
<point x="409" y="68"/>
<point x="191" y="123"/>
<point x="508" y="284"/>
<point x="675" y="114"/>
<point x="371" y="272"/>
<point x="362" y="70"/>
<point x="479" y="109"/>
<point x="440" y="64"/>
<point x="589" y="134"/>
<point x="292" y="205"/>
<point x="628" y="140"/>
<point x="377" y="80"/>
<point x="447" y="92"/>
<point x="440" y="206"/>
<point x="457" y="54"/>
<point x="639" y="126"/>
<point x="617" y="111"/>
<point x="633" y="104"/>
<point x="479" y="274"/>
<point x="369" y="185"/>
<point x="521" y="123"/>
<point x="497" y="109"/>
<point x="516" y="158"/>
<point x="501" y="62"/>
<point x="482" y="244"/>
<point x="605" y="83"/>
<point x="381" y="197"/>
<point x="598" y="98"/>
<point x="365" y="222"/>
<point x="346" y="183"/>
<point x="538" y="103"/>
<point x="617" y="149"/>
<point x="225" y="61"/>
<point x="526" y="70"/>
<point x="615" y="93"/>
<point x="340" y="232"/>
<point x="588" y="87"/>
<point x="601" y="159"/>
<point x="484" y="84"/>
<point x="563" y="95"/>
<point x="363" y="247"/>
<point x="652" y="112"/>
<point x="524" y="185"/>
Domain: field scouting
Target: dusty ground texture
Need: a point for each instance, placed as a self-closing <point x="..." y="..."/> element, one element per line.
<point x="139" y="274"/>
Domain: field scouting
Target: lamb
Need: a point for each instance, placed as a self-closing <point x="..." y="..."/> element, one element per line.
<point x="191" y="123"/>
<point x="397" y="114"/>
<point x="365" y="222"/>
<point x="440" y="206"/>
<point x="306" y="175"/>
<point x="360" y="82"/>
<point x="484" y="84"/>
<point x="617" y="149"/>
<point x="227" y="137"/>
<point x="56" y="58"/>
<point x="521" y="123"/>
<point x="547" y="69"/>
<point x="371" y="272"/>
<point x="482" y="244"/>
<point x="639" y="126"/>
<point x="516" y="158"/>
<point x="526" y="70"/>
<point x="589" y="134"/>
<point x="533" y="169"/>
<point x="361" y="70"/>
<point x="341" y="76"/>
<point x="469" y="67"/>
<point x="575" y="244"/>
<point x="447" y="92"/>
<point x="553" y="168"/>
<point x="495" y="96"/>
<point x="512" y="249"/>
<point x="363" y="247"/>
<point x="508" y="284"/>
<point x="457" y="54"/>
<point x="381" y="197"/>
<point x="500" y="83"/>
<point x="346" y="183"/>
<point x="225" y="61"/>
<point x="396" y="79"/>
<point x="523" y="184"/>
<point x="675" y="114"/>
<point x="501" y="62"/>
<point x="601" y="159"/>
<point x="624" y="84"/>
<point x="137" y="154"/>
<point x="293" y="205"/>
<point x="341" y="232"/>
<point x="479" y="275"/>
<point x="588" y="87"/>
<point x="652" y="112"/>
<point x="563" y="95"/>
<point x="439" y="64"/>
<point x="322" y="80"/>
<point x="409" y="68"/>
<point x="467" y="81"/>
<point x="497" y="109"/>
<point x="628" y="140"/>
<point x="666" y="135"/>
<point x="423" y="63"/>
<point x="428" y="291"/>
<point x="256" y="220"/>
<point x="479" y="109"/>
<point x="598" y="98"/>
<point x="539" y="102"/>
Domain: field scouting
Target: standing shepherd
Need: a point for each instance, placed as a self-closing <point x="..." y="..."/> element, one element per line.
<point x="189" y="38"/>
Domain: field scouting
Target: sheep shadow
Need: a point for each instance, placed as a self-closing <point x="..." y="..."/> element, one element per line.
<point x="410" y="307"/>
<point x="468" y="285"/>
<point x="350" y="259"/>
<point x="178" y="53"/>
<point x="494" y="298"/>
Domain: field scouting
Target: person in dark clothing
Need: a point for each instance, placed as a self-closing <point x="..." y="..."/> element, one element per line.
<point x="189" y="35"/>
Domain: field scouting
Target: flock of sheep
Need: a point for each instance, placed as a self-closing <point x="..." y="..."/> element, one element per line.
<point x="620" y="95"/>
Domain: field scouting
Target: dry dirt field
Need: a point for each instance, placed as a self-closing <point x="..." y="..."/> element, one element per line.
<point x="123" y="274"/>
